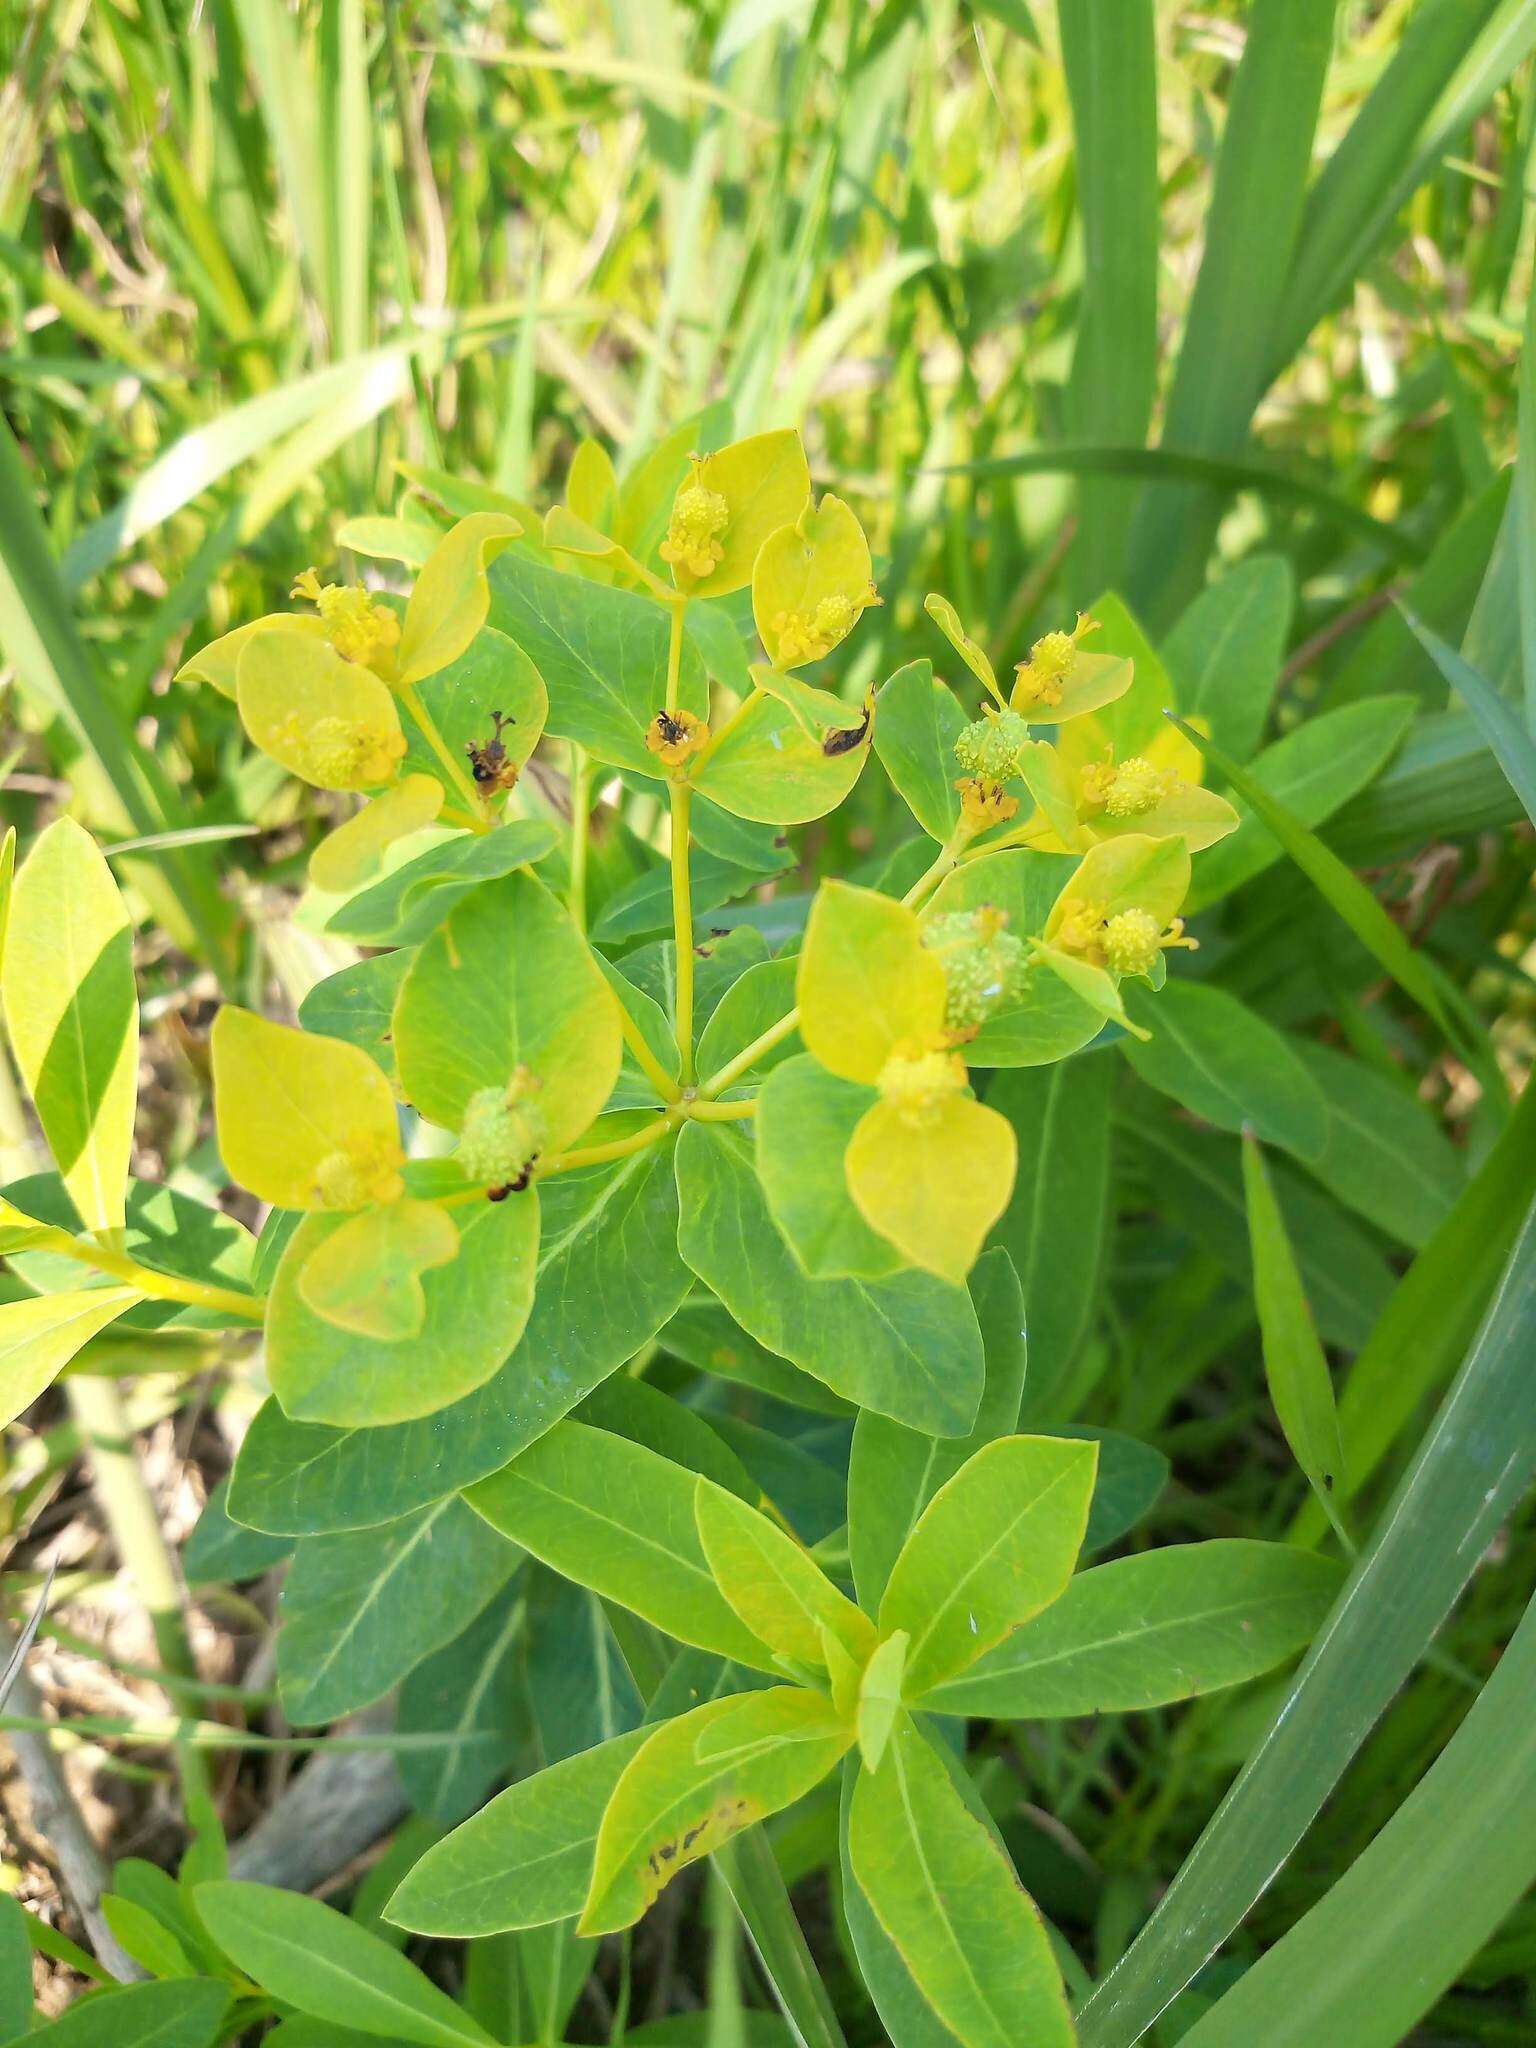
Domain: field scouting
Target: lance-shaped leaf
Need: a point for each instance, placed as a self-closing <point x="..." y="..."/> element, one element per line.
<point x="1224" y="1062"/>
<point x="526" y="1859"/>
<point x="355" y="851"/>
<point x="756" y="486"/>
<point x="304" y="1122"/>
<point x="917" y="721"/>
<point x="699" y="1780"/>
<point x="329" y="721"/>
<point x="879" y="1699"/>
<point x="971" y="652"/>
<point x="791" y="753"/>
<point x="946" y="1897"/>
<point x="507" y="982"/>
<point x="452" y="594"/>
<point x="619" y="1518"/>
<point x="38" y="1338"/>
<point x="995" y="1545"/>
<point x="310" y="1956"/>
<point x="1147" y="1630"/>
<point x="810" y="582"/>
<point x="773" y="1583"/>
<point x="73" y="1014"/>
<point x="866" y="982"/>
<point x="325" y="1368"/>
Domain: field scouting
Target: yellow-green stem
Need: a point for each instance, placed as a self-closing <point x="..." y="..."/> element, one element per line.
<point x="581" y="818"/>
<point x="453" y="767"/>
<point x="666" y="1087"/>
<point x="158" y="1286"/>
<point x="949" y="855"/>
<point x="721" y="1112"/>
<point x="749" y="1055"/>
<point x="675" y="651"/>
<point x="615" y="1148"/>
<point x="682" y="926"/>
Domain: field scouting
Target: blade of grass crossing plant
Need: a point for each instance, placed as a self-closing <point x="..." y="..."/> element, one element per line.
<point x="1294" y="1363"/>
<point x="1523" y="515"/>
<point x="1473" y="1466"/>
<point x="1110" y="55"/>
<point x="756" y="1884"/>
<point x="1367" y="1962"/>
<point x="1344" y="891"/>
<point x="313" y="1957"/>
<point x="1497" y="719"/>
<point x="289" y="106"/>
<point x="1239" y="295"/>
<point x="347" y="159"/>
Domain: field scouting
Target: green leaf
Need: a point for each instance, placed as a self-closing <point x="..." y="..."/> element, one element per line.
<point x="492" y="675"/>
<point x="150" y="1943"/>
<point x="1497" y="719"/>
<point x="357" y="1005"/>
<point x="946" y="1897"/>
<point x="619" y="1518"/>
<point x="1344" y="891"/>
<point x="310" y="1956"/>
<point x="917" y="721"/>
<point x="894" y="1471"/>
<point x="15" y="1970"/>
<point x="994" y="1545"/>
<point x="474" y="1311"/>
<point x="524" y="1860"/>
<point x="579" y="1689"/>
<point x="1386" y="1154"/>
<point x="1224" y="1063"/>
<point x="1054" y="1226"/>
<point x="361" y="1610"/>
<point x="73" y="1014"/>
<point x="507" y="982"/>
<point x="643" y="1414"/>
<point x="1148" y="1630"/>
<point x="602" y="653"/>
<point x="907" y="1346"/>
<point x="1132" y="719"/>
<point x="1111" y="69"/>
<point x="39" y="1337"/>
<point x="1311" y="772"/>
<point x="1370" y="1959"/>
<point x="772" y="1583"/>
<point x="1294" y="1365"/>
<point x="468" y="1689"/>
<point x="609" y="1276"/>
<point x="699" y="1780"/>
<point x="409" y="904"/>
<point x="1129" y="1481"/>
<point x="806" y="1118"/>
<point x="222" y="1552"/>
<point x="880" y="1690"/>
<point x="1227" y="649"/>
<point x="792" y="753"/>
<point x="184" y="2014"/>
<point x="764" y="994"/>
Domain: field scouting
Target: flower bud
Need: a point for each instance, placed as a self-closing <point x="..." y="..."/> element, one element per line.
<point x="699" y="517"/>
<point x="990" y="749"/>
<point x="502" y="1132"/>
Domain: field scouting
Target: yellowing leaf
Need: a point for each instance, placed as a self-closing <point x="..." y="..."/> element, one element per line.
<point x="304" y="1122"/>
<point x="592" y="488"/>
<point x="39" y="1337"/>
<point x="1197" y="816"/>
<point x="866" y="981"/>
<point x="330" y="722"/>
<point x="971" y="652"/>
<point x="699" y="1780"/>
<point x="7" y="881"/>
<point x="73" y="1015"/>
<point x="809" y="584"/>
<point x="219" y="662"/>
<point x="880" y="1697"/>
<point x="354" y="852"/>
<point x="790" y="754"/>
<point x="1092" y="681"/>
<point x="1047" y="779"/>
<point x="452" y="595"/>
<point x="1130" y="873"/>
<point x="773" y="1583"/>
<point x="366" y="1276"/>
<point x="1090" y="984"/>
<point x="934" y="1187"/>
<point x="753" y="487"/>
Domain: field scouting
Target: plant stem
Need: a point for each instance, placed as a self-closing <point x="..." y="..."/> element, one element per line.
<point x="721" y="1112"/>
<point x="454" y="768"/>
<point x="682" y="926"/>
<point x="581" y="819"/>
<point x="675" y="651"/>
<point x="645" y="1059"/>
<point x="943" y="865"/>
<point x="616" y="1148"/>
<point x="157" y="1286"/>
<point x="749" y="1055"/>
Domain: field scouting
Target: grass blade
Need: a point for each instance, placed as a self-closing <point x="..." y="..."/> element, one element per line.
<point x="1508" y="740"/>
<point x="1471" y="1469"/>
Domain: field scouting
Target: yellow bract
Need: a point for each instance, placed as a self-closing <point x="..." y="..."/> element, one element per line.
<point x="325" y="719"/>
<point x="1134" y="872"/>
<point x="1156" y="792"/>
<point x="366" y="1276"/>
<point x="947" y="619"/>
<point x="810" y="583"/>
<point x="354" y="851"/>
<point x="728" y="505"/>
<point x="452" y="595"/>
<point x="934" y="1186"/>
<point x="304" y="1122"/>
<point x="1059" y="681"/>
<point x="592" y="488"/>
<point x="866" y="982"/>
<point x="219" y="662"/>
